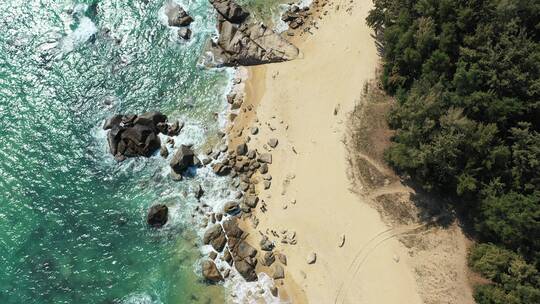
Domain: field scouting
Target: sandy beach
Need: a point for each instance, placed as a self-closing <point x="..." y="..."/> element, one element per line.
<point x="304" y="104"/>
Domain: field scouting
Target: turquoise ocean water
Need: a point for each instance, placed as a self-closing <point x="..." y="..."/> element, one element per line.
<point x="72" y="220"/>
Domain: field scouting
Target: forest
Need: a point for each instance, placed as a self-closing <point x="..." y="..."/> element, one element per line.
<point x="465" y="75"/>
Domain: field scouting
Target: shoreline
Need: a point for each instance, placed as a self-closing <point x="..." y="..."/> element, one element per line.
<point x="288" y="101"/>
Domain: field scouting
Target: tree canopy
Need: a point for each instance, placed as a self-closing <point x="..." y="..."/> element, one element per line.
<point x="466" y="78"/>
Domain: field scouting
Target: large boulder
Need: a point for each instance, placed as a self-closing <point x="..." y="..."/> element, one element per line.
<point x="215" y="236"/>
<point x="177" y="16"/>
<point x="211" y="272"/>
<point x="244" y="250"/>
<point x="246" y="268"/>
<point x="183" y="159"/>
<point x="157" y="216"/>
<point x="134" y="135"/>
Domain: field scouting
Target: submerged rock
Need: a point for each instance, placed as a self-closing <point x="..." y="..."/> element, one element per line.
<point x="157" y="216"/>
<point x="184" y="33"/>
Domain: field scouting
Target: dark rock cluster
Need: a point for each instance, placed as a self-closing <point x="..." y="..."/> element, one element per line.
<point x="178" y="17"/>
<point x="296" y="16"/>
<point x="183" y="159"/>
<point x="137" y="135"/>
<point x="238" y="253"/>
<point x="157" y="216"/>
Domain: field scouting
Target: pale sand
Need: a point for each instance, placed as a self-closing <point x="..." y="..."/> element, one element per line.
<point x="372" y="266"/>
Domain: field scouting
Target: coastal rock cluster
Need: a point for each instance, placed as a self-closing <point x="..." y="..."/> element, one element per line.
<point x="228" y="241"/>
<point x="296" y="16"/>
<point x="178" y="17"/>
<point x="137" y="135"/>
<point x="245" y="42"/>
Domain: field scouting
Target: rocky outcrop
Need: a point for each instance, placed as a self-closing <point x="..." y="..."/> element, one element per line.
<point x="229" y="10"/>
<point x="239" y="251"/>
<point x="135" y="135"/>
<point x="245" y="42"/>
<point x="177" y="16"/>
<point x="157" y="216"/>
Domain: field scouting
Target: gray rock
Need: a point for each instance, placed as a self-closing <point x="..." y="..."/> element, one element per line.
<point x="229" y="10"/>
<point x="311" y="258"/>
<point x="278" y="273"/>
<point x="254" y="130"/>
<point x="226" y="273"/>
<point x="215" y="236"/>
<point x="210" y="272"/>
<point x="175" y="176"/>
<point x="199" y="192"/>
<point x="273" y="142"/>
<point x="251" y="201"/>
<point x="183" y="159"/>
<point x="252" y="154"/>
<point x="231" y="208"/>
<point x="157" y="216"/>
<point x="268" y="259"/>
<point x="263" y="169"/>
<point x="184" y="33"/>
<point x="244" y="250"/>
<point x="227" y="257"/>
<point x="274" y="291"/>
<point x="177" y="16"/>
<point x="241" y="149"/>
<point x="220" y="169"/>
<point x="164" y="152"/>
<point x="230" y="226"/>
<point x="246" y="270"/>
<point x="266" y="244"/>
<point x="265" y="158"/>
<point x="282" y="258"/>
<point x="175" y="128"/>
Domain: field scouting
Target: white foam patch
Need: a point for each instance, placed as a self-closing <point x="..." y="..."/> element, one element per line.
<point x="199" y="27"/>
<point x="84" y="31"/>
<point x="139" y="298"/>
<point x="252" y="292"/>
